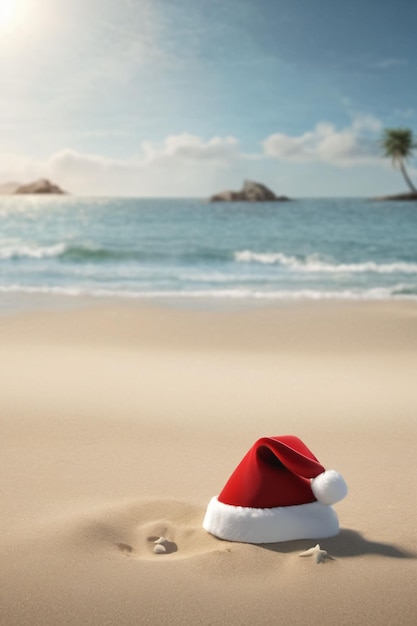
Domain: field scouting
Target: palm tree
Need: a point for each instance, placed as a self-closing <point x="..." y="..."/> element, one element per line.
<point x="398" y="144"/>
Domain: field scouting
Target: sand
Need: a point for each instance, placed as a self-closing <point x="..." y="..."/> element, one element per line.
<point x="119" y="423"/>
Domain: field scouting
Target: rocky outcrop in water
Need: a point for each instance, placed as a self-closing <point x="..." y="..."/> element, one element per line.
<point x="250" y="192"/>
<point x="400" y="197"/>
<point x="41" y="186"/>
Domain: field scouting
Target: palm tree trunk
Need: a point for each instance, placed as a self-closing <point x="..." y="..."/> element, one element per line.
<point x="407" y="178"/>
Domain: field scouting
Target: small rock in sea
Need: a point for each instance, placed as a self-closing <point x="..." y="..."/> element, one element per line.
<point x="159" y="548"/>
<point x="250" y="192"/>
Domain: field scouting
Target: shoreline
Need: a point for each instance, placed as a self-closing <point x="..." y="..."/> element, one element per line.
<point x="21" y="302"/>
<point x="286" y="325"/>
<point x="119" y="423"/>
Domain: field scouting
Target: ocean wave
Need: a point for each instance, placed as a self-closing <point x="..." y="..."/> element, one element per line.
<point x="93" y="254"/>
<point x="90" y="253"/>
<point x="312" y="263"/>
<point x="64" y="251"/>
<point x="19" y="251"/>
<point x="143" y="256"/>
<point x="377" y="293"/>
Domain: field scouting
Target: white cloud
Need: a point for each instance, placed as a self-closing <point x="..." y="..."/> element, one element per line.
<point x="353" y="145"/>
<point x="189" y="165"/>
<point x="181" y="165"/>
<point x="187" y="147"/>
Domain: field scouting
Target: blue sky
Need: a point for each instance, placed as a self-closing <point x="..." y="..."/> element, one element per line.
<point x="156" y="97"/>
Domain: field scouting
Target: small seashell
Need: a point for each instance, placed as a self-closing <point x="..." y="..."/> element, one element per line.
<point x="160" y="540"/>
<point x="159" y="549"/>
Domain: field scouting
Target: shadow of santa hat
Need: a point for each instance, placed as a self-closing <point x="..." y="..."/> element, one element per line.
<point x="278" y="492"/>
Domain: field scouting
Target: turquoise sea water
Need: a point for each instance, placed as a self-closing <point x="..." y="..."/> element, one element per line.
<point x="189" y="249"/>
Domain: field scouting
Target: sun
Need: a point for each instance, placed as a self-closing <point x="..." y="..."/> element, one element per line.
<point x="8" y="11"/>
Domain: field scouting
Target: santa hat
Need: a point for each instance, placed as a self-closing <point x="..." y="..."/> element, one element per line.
<point x="278" y="492"/>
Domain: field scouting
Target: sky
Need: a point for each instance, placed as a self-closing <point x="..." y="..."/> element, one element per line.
<point x="190" y="97"/>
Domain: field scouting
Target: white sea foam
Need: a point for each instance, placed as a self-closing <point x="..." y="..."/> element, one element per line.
<point x="313" y="263"/>
<point x="44" y="290"/>
<point x="267" y="258"/>
<point x="378" y="293"/>
<point x="18" y="251"/>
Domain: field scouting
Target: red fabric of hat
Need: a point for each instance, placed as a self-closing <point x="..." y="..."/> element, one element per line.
<point x="276" y="472"/>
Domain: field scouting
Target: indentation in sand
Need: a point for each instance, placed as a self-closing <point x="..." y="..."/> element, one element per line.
<point x="125" y="548"/>
<point x="161" y="530"/>
<point x="162" y="545"/>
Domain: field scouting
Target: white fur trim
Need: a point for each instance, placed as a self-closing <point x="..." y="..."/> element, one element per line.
<point x="250" y="525"/>
<point x="329" y="487"/>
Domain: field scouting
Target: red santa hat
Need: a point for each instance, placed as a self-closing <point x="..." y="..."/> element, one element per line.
<point x="278" y="492"/>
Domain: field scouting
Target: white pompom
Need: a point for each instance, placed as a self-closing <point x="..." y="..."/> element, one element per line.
<point x="329" y="487"/>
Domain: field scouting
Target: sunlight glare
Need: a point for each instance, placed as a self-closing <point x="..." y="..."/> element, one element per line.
<point x="8" y="12"/>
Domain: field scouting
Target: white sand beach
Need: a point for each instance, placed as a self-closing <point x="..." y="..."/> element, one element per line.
<point x="119" y="423"/>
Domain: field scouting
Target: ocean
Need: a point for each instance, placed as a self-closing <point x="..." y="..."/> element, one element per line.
<point x="185" y="251"/>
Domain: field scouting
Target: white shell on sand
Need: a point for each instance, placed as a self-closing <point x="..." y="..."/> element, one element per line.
<point x="160" y="540"/>
<point x="159" y="549"/>
<point x="319" y="555"/>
